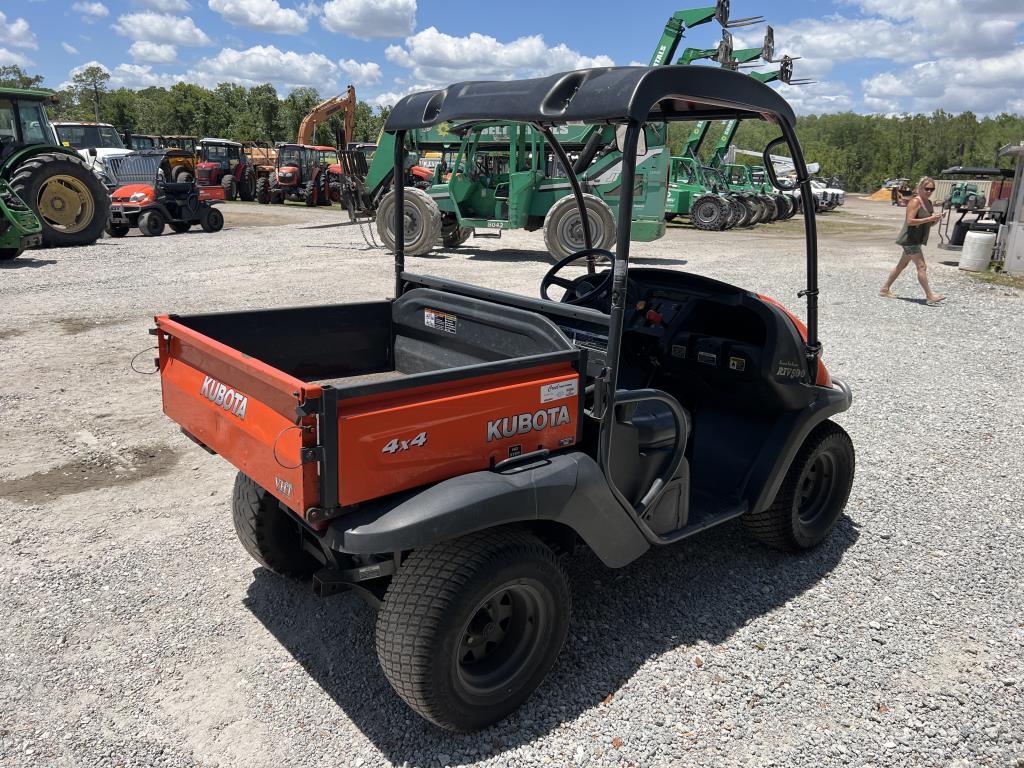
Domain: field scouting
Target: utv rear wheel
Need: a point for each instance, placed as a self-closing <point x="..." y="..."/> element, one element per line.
<point x="813" y="493"/>
<point x="151" y="223"/>
<point x="422" y="221"/>
<point x="117" y="230"/>
<point x="709" y="213"/>
<point x="263" y="191"/>
<point x="469" y="628"/>
<point x="563" y="226"/>
<point x="211" y="220"/>
<point x="267" y="531"/>
<point x="71" y="202"/>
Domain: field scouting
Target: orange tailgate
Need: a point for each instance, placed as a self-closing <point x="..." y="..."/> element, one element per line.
<point x="399" y="440"/>
<point x="242" y="409"/>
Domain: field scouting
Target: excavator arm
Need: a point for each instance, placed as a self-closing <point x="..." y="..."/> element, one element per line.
<point x="323" y="111"/>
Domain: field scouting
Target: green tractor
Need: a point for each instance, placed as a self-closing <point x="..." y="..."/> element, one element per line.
<point x="19" y="227"/>
<point x="69" y="200"/>
<point x="702" y="195"/>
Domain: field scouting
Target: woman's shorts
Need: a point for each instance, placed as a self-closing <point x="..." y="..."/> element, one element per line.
<point x="911" y="250"/>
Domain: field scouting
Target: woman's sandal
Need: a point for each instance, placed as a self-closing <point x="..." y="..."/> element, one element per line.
<point x="935" y="302"/>
<point x="887" y="294"/>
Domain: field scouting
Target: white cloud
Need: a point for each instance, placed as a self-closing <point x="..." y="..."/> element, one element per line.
<point x="989" y="85"/>
<point x="440" y="59"/>
<point x="91" y="11"/>
<point x="364" y="19"/>
<point x="68" y="48"/>
<point x="16" y="33"/>
<point x="161" y="28"/>
<point x="132" y="76"/>
<point x="165" y="6"/>
<point x="360" y="73"/>
<point x="8" y="56"/>
<point x="158" y="53"/>
<point x="265" y="64"/>
<point x="266" y="15"/>
<point x="817" y="98"/>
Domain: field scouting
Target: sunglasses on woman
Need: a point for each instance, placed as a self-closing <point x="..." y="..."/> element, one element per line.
<point x="929" y="189"/>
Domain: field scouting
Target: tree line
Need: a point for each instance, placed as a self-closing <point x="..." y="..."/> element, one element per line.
<point x="227" y="111"/>
<point x="863" y="150"/>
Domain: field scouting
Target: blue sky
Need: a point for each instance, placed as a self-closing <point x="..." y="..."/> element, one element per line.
<point x="866" y="55"/>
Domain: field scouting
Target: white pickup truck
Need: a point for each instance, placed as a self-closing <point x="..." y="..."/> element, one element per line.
<point x="96" y="143"/>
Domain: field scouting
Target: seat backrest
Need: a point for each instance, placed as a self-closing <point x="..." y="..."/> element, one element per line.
<point x="435" y="331"/>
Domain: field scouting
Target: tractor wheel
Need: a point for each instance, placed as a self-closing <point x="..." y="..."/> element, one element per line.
<point x="453" y="236"/>
<point x="794" y="206"/>
<point x="813" y="493"/>
<point x="708" y="212"/>
<point x="230" y="187"/>
<point x="263" y="191"/>
<point x="469" y="628"/>
<point x="71" y="202"/>
<point x="211" y="219"/>
<point x="10" y="254"/>
<point x="742" y="211"/>
<point x="267" y="531"/>
<point x="563" y="226"/>
<point x="753" y="212"/>
<point x="180" y="227"/>
<point x="782" y="204"/>
<point x="117" y="230"/>
<point x="735" y="212"/>
<point x="771" y="212"/>
<point x="422" y="221"/>
<point x="185" y="178"/>
<point x="323" y="194"/>
<point x="247" y="189"/>
<point x="151" y="223"/>
<point x="310" y="193"/>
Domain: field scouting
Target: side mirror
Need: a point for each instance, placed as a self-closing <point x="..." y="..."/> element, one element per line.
<point x="814" y="167"/>
<point x="620" y="140"/>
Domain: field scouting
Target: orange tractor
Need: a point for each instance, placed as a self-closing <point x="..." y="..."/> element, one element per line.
<point x="223" y="164"/>
<point x="301" y="175"/>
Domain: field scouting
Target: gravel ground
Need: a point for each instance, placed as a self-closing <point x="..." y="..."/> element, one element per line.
<point x="138" y="633"/>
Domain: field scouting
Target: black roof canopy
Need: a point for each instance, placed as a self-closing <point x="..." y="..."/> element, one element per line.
<point x="610" y="94"/>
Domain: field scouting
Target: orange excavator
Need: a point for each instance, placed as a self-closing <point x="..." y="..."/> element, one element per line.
<point x="323" y="111"/>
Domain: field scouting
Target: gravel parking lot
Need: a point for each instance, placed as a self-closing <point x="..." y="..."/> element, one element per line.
<point x="137" y="632"/>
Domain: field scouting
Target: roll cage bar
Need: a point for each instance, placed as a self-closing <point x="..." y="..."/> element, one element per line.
<point x="629" y="96"/>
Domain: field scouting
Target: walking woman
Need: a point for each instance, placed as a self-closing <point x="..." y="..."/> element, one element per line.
<point x="918" y="222"/>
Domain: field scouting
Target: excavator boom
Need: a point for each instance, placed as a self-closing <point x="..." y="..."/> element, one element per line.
<point x="323" y="111"/>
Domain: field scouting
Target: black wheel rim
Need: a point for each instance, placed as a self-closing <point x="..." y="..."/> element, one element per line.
<point x="502" y="641"/>
<point x="816" y="487"/>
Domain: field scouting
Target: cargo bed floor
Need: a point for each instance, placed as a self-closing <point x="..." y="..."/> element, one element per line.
<point x="366" y="378"/>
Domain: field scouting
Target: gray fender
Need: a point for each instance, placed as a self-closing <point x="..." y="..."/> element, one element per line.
<point x="568" y="488"/>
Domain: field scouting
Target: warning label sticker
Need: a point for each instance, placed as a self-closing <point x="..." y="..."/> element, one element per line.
<point x="558" y="391"/>
<point x="439" y="321"/>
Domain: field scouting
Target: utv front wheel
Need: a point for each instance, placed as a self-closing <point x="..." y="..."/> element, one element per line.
<point x="813" y="493"/>
<point x="469" y="628"/>
<point x="267" y="531"/>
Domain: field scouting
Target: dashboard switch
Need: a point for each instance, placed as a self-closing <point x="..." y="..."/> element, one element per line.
<point x="654" y="318"/>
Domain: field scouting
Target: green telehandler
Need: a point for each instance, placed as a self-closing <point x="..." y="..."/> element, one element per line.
<point x="54" y="181"/>
<point x="505" y="176"/>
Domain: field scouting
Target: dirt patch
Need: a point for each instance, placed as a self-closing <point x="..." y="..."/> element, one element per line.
<point x="992" y="278"/>
<point x="10" y="333"/>
<point x="76" y="325"/>
<point x="98" y="470"/>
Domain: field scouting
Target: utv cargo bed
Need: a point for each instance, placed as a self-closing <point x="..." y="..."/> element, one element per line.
<point x="329" y="406"/>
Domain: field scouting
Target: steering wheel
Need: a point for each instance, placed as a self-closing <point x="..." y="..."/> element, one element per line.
<point x="570" y="286"/>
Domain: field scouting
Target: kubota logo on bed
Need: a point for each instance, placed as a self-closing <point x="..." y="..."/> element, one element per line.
<point x="221" y="394"/>
<point x="520" y="424"/>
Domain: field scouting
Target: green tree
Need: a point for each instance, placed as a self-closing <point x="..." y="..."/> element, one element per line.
<point x="13" y="76"/>
<point x="91" y="82"/>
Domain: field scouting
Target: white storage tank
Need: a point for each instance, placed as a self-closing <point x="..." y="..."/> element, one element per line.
<point x="977" y="251"/>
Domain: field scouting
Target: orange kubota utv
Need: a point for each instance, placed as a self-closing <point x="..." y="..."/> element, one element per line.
<point x="440" y="451"/>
